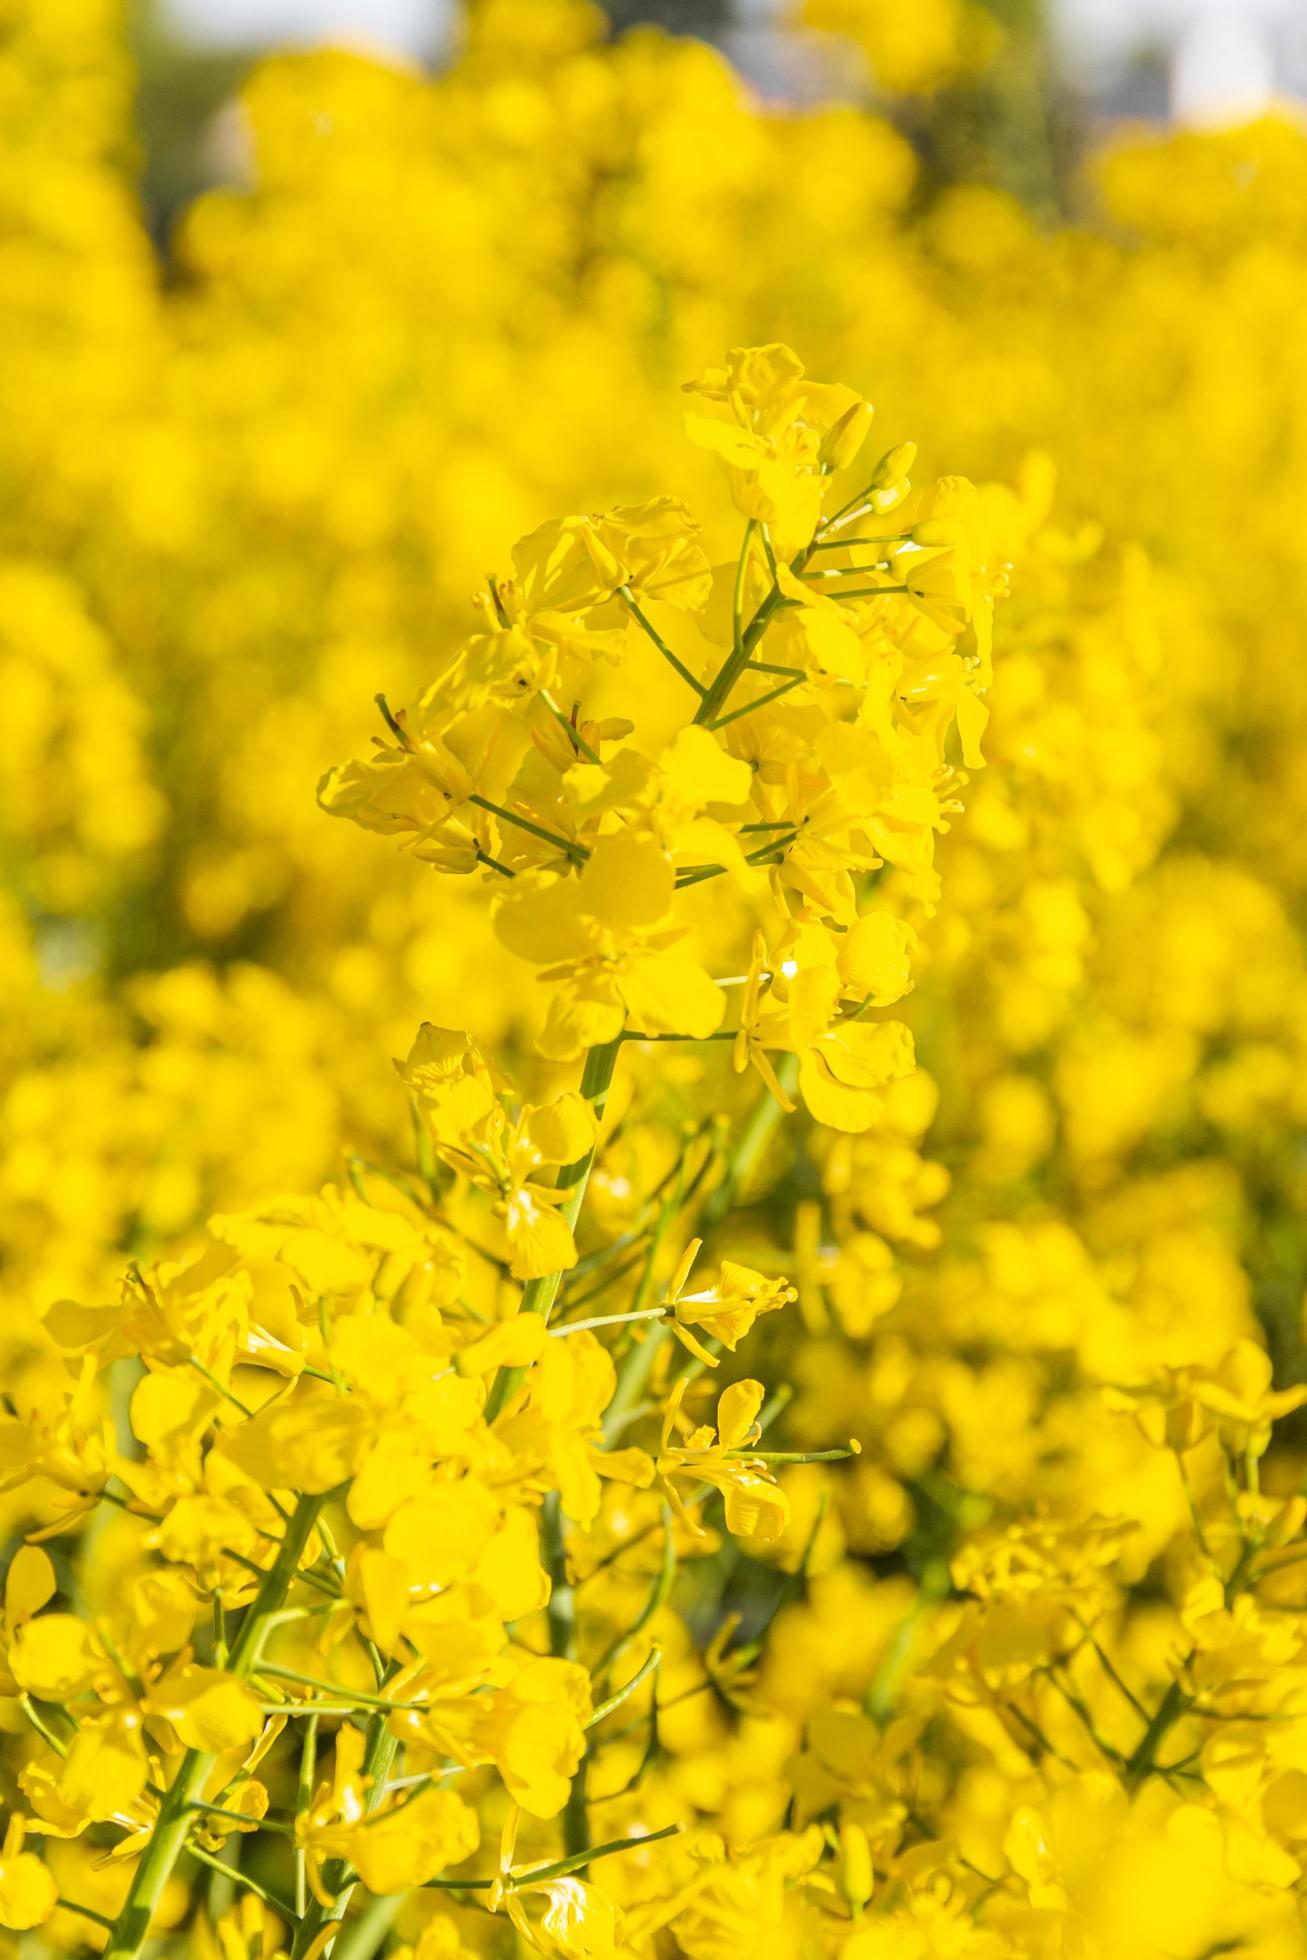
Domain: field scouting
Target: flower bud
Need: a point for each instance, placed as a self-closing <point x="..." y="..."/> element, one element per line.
<point x="854" y="1876"/>
<point x="1286" y="1523"/>
<point x="935" y="531"/>
<point x="883" y="500"/>
<point x="894" y="465"/>
<point x="844" y="438"/>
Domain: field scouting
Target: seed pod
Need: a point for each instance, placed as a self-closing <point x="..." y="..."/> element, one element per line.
<point x="844" y="438"/>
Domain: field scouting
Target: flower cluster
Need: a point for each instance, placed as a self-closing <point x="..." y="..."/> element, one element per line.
<point x="361" y="1426"/>
<point x="824" y="741"/>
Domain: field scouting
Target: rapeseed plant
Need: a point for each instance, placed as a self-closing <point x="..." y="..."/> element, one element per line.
<point x="435" y="1520"/>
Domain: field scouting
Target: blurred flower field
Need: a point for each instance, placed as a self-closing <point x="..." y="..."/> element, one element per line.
<point x="653" y="1086"/>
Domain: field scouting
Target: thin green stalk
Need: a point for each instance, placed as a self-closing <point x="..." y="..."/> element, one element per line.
<point x="561" y="1618"/>
<point x="747" y="640"/>
<point x="1077" y="1706"/>
<point x="1038" y="1737"/>
<point x="85" y="1912"/>
<point x="366" y="1934"/>
<point x="662" y="1587"/>
<point x="42" y="1727"/>
<point x="722" y="1034"/>
<point x="872" y="592"/>
<point x="338" y="1878"/>
<point x="168" y="1839"/>
<point x="134" y="1510"/>
<point x="581" y="1859"/>
<point x="602" y="1285"/>
<point x="540" y="1874"/>
<point x="649" y="1666"/>
<point x="844" y="544"/>
<point x="780" y="1456"/>
<point x="633" y="1375"/>
<point x="561" y="1611"/>
<point x="538" y="1295"/>
<point x="888" y="1678"/>
<point x="760" y="1127"/>
<point x="606" y="1320"/>
<point x="282" y="1907"/>
<point x="308" y="1769"/>
<point x="1169" y="1710"/>
<point x="652" y="1747"/>
<point x="577" y="852"/>
<point x="772" y="694"/>
<point x="569" y="728"/>
<point x="744" y="639"/>
<point x="737" y="602"/>
<point x="695" y="874"/>
<point x="1111" y="1670"/>
<point x="337" y="1688"/>
<point x="625" y="595"/>
<point x="740" y="1163"/>
<point x="266" y="1823"/>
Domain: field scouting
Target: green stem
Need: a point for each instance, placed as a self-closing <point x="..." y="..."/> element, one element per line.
<point x="625" y="595"/>
<point x="657" y="1598"/>
<point x="602" y="1285"/>
<point x="723" y="1034"/>
<point x="745" y="640"/>
<point x="85" y="1912"/>
<point x="42" y="1728"/>
<point x="1110" y="1669"/>
<point x="304" y="1784"/>
<point x="338" y="1877"/>
<point x="484" y="857"/>
<point x="365" y="1934"/>
<point x="783" y="1456"/>
<point x="337" y="1688"/>
<point x="637" y="1680"/>
<point x="569" y="728"/>
<point x="282" y="1907"/>
<point x="577" y="852"/>
<point x="695" y="874"/>
<point x="607" y="1320"/>
<point x="1078" y="1708"/>
<point x="759" y="1129"/>
<point x="633" y="1375"/>
<point x="872" y="591"/>
<point x="738" y="659"/>
<point x="737" y="603"/>
<point x="168" y="1839"/>
<point x="844" y="544"/>
<point x="1169" y="1711"/>
<point x="581" y="1859"/>
<point x="538" y="1295"/>
<point x="772" y="694"/>
<point x="541" y="1874"/>
<point x="561" y="1617"/>
<point x="268" y="1822"/>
